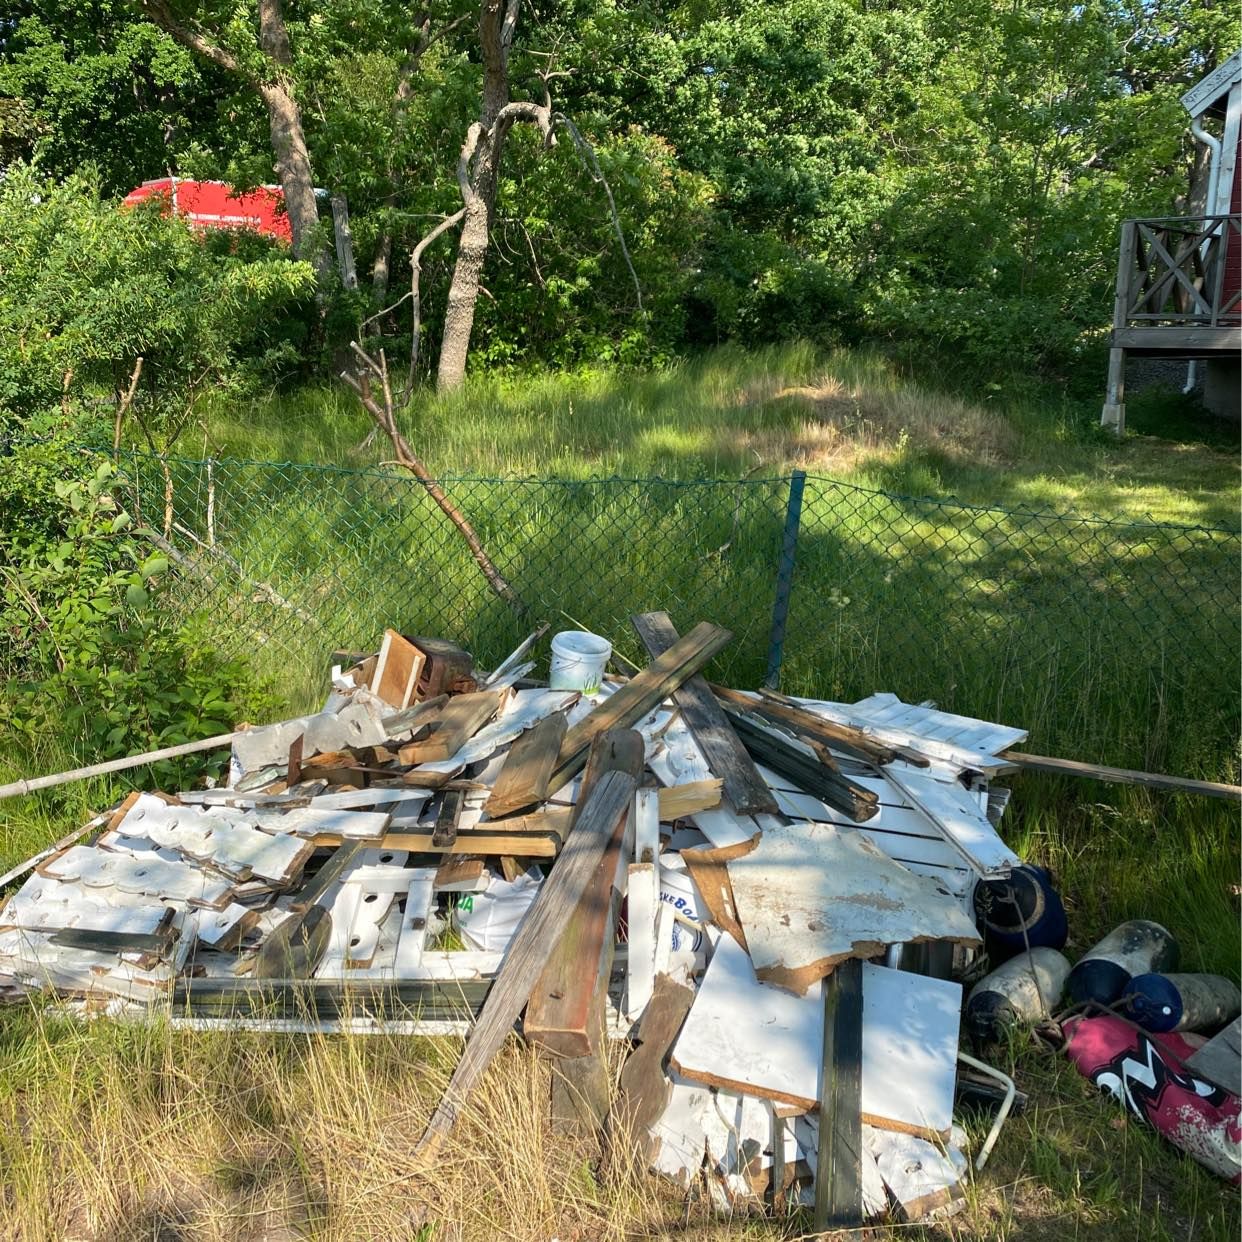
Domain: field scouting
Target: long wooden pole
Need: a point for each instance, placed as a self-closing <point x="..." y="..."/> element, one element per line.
<point x="1121" y="776"/>
<point x="118" y="765"/>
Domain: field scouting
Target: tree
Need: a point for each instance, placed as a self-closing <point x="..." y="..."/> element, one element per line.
<point x="270" y="74"/>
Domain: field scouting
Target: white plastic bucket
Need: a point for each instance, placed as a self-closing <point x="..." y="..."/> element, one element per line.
<point x="578" y="661"/>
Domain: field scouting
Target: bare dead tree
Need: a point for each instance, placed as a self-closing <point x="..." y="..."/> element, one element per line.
<point x="381" y="407"/>
<point x="478" y="174"/>
<point x="275" y="87"/>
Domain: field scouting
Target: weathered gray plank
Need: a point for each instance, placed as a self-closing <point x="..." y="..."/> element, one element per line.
<point x="745" y="789"/>
<point x="1220" y="1059"/>
<point x="530" y="948"/>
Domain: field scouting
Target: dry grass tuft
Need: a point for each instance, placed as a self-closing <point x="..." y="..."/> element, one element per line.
<point x="837" y="424"/>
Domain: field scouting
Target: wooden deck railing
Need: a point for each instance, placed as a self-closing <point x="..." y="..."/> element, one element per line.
<point x="1180" y="272"/>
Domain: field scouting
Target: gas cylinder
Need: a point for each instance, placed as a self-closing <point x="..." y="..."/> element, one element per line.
<point x="1025" y="989"/>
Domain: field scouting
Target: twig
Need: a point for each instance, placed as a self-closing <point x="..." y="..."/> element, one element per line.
<point x="385" y="417"/>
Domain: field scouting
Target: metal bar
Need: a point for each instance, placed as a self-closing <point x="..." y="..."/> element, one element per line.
<point x="784" y="579"/>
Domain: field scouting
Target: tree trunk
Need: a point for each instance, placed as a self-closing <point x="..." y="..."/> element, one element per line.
<point x="497" y="24"/>
<point x="289" y="139"/>
<point x="293" y="166"/>
<point x="463" y="296"/>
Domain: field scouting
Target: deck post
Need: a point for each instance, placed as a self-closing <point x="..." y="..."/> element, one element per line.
<point x="1114" y="413"/>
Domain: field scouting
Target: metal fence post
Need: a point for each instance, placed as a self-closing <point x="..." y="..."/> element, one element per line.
<point x="784" y="579"/>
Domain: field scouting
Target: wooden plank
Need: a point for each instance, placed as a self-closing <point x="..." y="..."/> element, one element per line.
<point x="521" y="844"/>
<point x="644" y="1089"/>
<point x="809" y="773"/>
<point x="726" y="756"/>
<point x="458" y="721"/>
<point x="1122" y="776"/>
<point x="413" y="935"/>
<point x="1220" y="1059"/>
<point x="523" y="781"/>
<point x="568" y="993"/>
<point x="639" y="695"/>
<point x="964" y="825"/>
<point x="536" y="939"/>
<point x="447" y="820"/>
<point x="838" y="1168"/>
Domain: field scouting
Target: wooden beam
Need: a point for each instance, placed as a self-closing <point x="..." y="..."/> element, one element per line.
<point x="523" y="780"/>
<point x="1121" y="776"/>
<point x="640" y="695"/>
<point x="838" y="1169"/>
<point x="563" y="1002"/>
<point x="536" y="939"/>
<point x="809" y="774"/>
<point x="445" y="831"/>
<point x="745" y="789"/>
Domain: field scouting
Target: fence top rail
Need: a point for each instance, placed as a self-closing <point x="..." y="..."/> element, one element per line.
<point x="952" y="503"/>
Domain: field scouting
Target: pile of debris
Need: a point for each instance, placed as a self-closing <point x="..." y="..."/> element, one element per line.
<point x="799" y="889"/>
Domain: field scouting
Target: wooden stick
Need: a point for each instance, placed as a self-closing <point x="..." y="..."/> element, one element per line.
<point x="746" y="790"/>
<point x="530" y="948"/>
<point x="1121" y="776"/>
<point x="119" y="765"/>
<point x="838" y="1174"/>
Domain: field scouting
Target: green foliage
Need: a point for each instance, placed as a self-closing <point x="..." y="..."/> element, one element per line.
<point x="87" y="289"/>
<point x="946" y="174"/>
<point x="86" y="650"/>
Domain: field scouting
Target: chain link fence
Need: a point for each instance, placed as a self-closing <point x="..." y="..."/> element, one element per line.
<point x="1080" y="624"/>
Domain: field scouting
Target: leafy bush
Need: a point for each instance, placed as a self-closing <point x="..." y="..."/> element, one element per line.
<point x="87" y="651"/>
<point x="87" y="654"/>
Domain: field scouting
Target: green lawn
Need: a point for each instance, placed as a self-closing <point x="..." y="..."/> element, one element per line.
<point x="1110" y="643"/>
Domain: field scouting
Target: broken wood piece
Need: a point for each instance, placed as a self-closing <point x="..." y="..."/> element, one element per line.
<point x="447" y="820"/>
<point x="644" y="1089"/>
<point x="460" y="873"/>
<point x="921" y="1176"/>
<point x="727" y="758"/>
<point x="295" y="947"/>
<point x="708" y="869"/>
<point x="1121" y="776"/>
<point x="645" y="691"/>
<point x="808" y="773"/>
<point x="397" y="670"/>
<point x="691" y="798"/>
<point x="457" y="722"/>
<point x="536" y="938"/>
<point x="570" y="989"/>
<point x="812" y="895"/>
<point x="838" y="1167"/>
<point x="523" y="781"/>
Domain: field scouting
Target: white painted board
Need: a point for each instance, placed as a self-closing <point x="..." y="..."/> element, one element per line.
<point x="761" y="1040"/>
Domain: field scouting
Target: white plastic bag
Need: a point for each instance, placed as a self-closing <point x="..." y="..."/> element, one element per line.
<point x="488" y="920"/>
